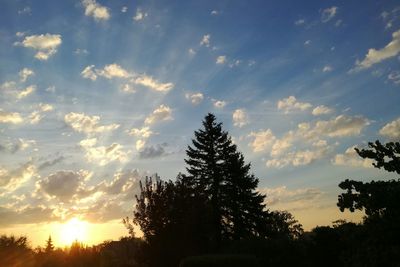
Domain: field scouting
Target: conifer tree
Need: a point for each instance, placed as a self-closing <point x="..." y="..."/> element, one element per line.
<point x="49" y="245"/>
<point x="217" y="171"/>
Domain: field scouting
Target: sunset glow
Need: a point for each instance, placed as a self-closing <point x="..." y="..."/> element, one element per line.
<point x="74" y="230"/>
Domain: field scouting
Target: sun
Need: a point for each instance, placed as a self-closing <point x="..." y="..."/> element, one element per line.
<point x="73" y="230"/>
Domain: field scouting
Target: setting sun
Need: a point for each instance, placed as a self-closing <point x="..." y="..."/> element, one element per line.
<point x="73" y="230"/>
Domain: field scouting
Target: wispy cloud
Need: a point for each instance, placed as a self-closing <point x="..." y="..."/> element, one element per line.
<point x="95" y="10"/>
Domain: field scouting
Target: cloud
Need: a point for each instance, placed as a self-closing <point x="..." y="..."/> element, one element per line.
<point x="80" y="51"/>
<point x="25" y="215"/>
<point x="12" y="180"/>
<point x="282" y="198"/>
<point x="10" y="117"/>
<point x="308" y="42"/>
<point x="328" y="14"/>
<point x="321" y="110"/>
<point x="25" y="73"/>
<point x="25" y="10"/>
<point x="339" y="126"/>
<point x="240" y="118"/>
<point x="219" y="103"/>
<point x="394" y="76"/>
<point x="162" y="113"/>
<point x="38" y="115"/>
<point x="88" y="73"/>
<point x="262" y="140"/>
<point x="327" y="68"/>
<point x="50" y="163"/>
<point x="45" y="44"/>
<point x="124" y="9"/>
<point x="153" y="151"/>
<point x="205" y="41"/>
<point x="299" y="158"/>
<point x="124" y="182"/>
<point x="28" y="90"/>
<point x="95" y="10"/>
<point x="62" y="185"/>
<point x="153" y="84"/>
<point x="352" y="159"/>
<point x="143" y="132"/>
<point x="280" y="146"/>
<point x="112" y="71"/>
<point x="192" y="52"/>
<point x="103" y="155"/>
<point x="140" y="144"/>
<point x="299" y="22"/>
<point x="195" y="98"/>
<point x="391" y="130"/>
<point x="140" y="15"/>
<point x="374" y="56"/>
<point x="127" y="88"/>
<point x="221" y="60"/>
<point x="20" y="144"/>
<point x="214" y="12"/>
<point x="291" y="104"/>
<point x="87" y="124"/>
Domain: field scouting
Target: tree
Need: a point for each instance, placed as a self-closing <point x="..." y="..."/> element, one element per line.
<point x="379" y="199"/>
<point x="49" y="245"/>
<point x="217" y="171"/>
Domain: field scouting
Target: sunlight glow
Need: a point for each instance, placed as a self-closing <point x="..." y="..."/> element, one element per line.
<point x="74" y="230"/>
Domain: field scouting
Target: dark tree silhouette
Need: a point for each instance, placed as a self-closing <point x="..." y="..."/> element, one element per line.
<point x="217" y="171"/>
<point x="49" y="245"/>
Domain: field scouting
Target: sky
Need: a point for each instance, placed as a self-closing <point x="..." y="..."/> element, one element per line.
<point x="95" y="95"/>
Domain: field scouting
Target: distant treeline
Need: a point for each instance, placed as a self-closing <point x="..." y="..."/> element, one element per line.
<point x="214" y="216"/>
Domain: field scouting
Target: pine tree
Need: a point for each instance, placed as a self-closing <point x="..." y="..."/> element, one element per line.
<point x="218" y="172"/>
<point x="49" y="245"/>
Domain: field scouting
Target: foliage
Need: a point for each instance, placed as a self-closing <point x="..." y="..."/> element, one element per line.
<point x="220" y="261"/>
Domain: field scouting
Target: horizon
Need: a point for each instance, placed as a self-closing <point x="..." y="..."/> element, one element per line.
<point x="95" y="95"/>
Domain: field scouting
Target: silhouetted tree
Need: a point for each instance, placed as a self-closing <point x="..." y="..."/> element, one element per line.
<point x="217" y="171"/>
<point x="49" y="245"/>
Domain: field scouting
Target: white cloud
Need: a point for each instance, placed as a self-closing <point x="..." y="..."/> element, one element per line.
<point x="262" y="140"/>
<point x="299" y="22"/>
<point x="127" y="88"/>
<point x="195" y="98"/>
<point x="321" y="110"/>
<point x="299" y="158"/>
<point x="87" y="124"/>
<point x="95" y="10"/>
<point x="153" y="84"/>
<point x="327" y="68"/>
<point x="290" y="104"/>
<point x="113" y="71"/>
<point x="205" y="41"/>
<point x="351" y="158"/>
<point x="37" y="115"/>
<point x="12" y="180"/>
<point x="391" y="130"/>
<point x="191" y="52"/>
<point x="280" y="146"/>
<point x="339" y="126"/>
<point x="45" y="44"/>
<point x="10" y="117"/>
<point x="143" y="132"/>
<point x="219" y="103"/>
<point x="140" y="144"/>
<point x="25" y="10"/>
<point x="9" y="85"/>
<point x="25" y="73"/>
<point x="139" y="15"/>
<point x="28" y="90"/>
<point x="308" y="42"/>
<point x="328" y="14"/>
<point x="221" y="60"/>
<point x="374" y="56"/>
<point x="214" y="12"/>
<point x="88" y="73"/>
<point x="162" y="113"/>
<point x="124" y="9"/>
<point x="103" y="155"/>
<point x="80" y="51"/>
<point x="240" y="118"/>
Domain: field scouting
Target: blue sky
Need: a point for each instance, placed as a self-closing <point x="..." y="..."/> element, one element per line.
<point x="96" y="94"/>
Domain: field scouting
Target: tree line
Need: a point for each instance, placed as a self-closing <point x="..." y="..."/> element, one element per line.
<point x="213" y="215"/>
